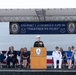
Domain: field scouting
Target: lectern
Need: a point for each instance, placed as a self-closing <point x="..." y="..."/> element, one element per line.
<point x="38" y="58"/>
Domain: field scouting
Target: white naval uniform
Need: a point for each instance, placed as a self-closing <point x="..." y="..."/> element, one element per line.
<point x="74" y="52"/>
<point x="57" y="56"/>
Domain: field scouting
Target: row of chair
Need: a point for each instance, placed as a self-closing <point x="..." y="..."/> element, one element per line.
<point x="49" y="61"/>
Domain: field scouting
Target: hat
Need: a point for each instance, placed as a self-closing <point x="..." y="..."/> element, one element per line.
<point x="38" y="36"/>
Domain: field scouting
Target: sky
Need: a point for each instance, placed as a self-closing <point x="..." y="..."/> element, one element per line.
<point x="22" y="4"/>
<point x="19" y="41"/>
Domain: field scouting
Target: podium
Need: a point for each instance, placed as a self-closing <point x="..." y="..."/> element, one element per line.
<point x="38" y="58"/>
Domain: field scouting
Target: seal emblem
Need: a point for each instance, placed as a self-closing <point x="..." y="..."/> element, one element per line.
<point x="14" y="28"/>
<point x="71" y="27"/>
<point x="38" y="51"/>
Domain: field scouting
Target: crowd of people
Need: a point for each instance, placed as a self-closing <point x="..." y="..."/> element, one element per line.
<point x="24" y="57"/>
<point x="12" y="56"/>
<point x="61" y="56"/>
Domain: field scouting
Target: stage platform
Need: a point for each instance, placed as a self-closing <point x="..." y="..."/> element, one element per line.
<point x="13" y="71"/>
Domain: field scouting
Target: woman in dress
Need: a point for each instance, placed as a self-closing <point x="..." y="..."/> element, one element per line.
<point x="69" y="57"/>
<point x="25" y="56"/>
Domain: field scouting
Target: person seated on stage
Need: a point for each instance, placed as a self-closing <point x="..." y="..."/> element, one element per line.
<point x="72" y="48"/>
<point x="57" y="56"/>
<point x="38" y="43"/>
<point x="25" y="57"/>
<point x="63" y="54"/>
<point x="74" y="53"/>
<point x="2" y="57"/>
<point x="69" y="57"/>
<point x="19" y="56"/>
<point x="12" y="56"/>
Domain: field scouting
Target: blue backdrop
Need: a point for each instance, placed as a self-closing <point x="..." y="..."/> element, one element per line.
<point x="42" y="27"/>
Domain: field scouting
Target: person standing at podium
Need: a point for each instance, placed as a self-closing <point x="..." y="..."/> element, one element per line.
<point x="38" y="43"/>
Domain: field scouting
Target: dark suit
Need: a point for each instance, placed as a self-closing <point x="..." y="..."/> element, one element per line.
<point x="38" y="44"/>
<point x="11" y="59"/>
<point x="2" y="57"/>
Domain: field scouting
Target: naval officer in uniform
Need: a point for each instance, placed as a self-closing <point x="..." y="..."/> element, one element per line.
<point x="57" y="56"/>
<point x="38" y="43"/>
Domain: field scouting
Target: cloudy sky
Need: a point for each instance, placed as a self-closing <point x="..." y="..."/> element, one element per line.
<point x="37" y="4"/>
